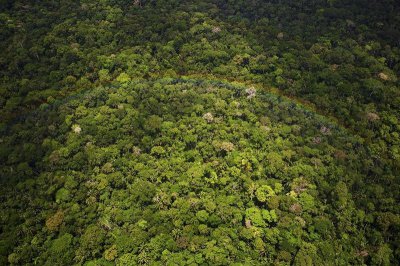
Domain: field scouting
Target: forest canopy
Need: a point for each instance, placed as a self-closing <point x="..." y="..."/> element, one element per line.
<point x="207" y="132"/>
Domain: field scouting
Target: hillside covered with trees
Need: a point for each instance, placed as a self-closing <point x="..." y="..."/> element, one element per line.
<point x="207" y="132"/>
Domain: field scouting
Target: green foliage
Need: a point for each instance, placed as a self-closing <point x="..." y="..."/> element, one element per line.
<point x="202" y="215"/>
<point x="307" y="201"/>
<point x="62" y="194"/>
<point x="256" y="216"/>
<point x="60" y="250"/>
<point x="162" y="191"/>
<point x="264" y="192"/>
<point x="91" y="243"/>
<point x="269" y="216"/>
<point x="226" y="133"/>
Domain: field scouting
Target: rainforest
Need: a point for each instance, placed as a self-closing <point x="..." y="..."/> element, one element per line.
<point x="200" y="132"/>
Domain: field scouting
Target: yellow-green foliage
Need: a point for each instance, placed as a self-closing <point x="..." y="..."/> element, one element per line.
<point x="53" y="222"/>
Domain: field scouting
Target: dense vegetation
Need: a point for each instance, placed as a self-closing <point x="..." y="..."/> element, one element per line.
<point x="212" y="132"/>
